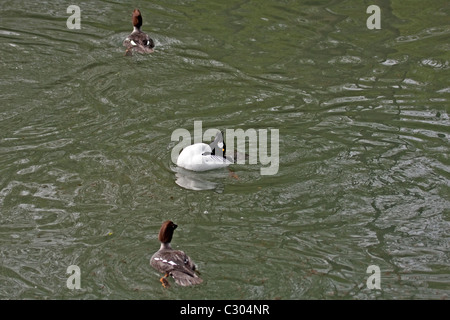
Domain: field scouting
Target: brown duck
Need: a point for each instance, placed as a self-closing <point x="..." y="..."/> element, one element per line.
<point x="174" y="263"/>
<point x="138" y="41"/>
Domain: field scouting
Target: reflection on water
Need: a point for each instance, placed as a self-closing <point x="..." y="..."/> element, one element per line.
<point x="191" y="180"/>
<point x="85" y="143"/>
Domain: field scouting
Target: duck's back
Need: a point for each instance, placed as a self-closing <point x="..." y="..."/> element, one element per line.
<point x="177" y="264"/>
<point x="197" y="157"/>
<point x="141" y="38"/>
<point x="140" y="41"/>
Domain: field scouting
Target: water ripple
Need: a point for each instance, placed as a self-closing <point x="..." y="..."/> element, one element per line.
<point x="86" y="175"/>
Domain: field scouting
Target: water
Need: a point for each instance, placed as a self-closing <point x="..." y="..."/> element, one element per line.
<point x="86" y="176"/>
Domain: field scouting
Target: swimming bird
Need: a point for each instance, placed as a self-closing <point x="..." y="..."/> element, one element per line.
<point x="203" y="157"/>
<point x="138" y="41"/>
<point x="174" y="263"/>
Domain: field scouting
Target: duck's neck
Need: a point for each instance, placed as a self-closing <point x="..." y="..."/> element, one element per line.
<point x="136" y="29"/>
<point x="165" y="245"/>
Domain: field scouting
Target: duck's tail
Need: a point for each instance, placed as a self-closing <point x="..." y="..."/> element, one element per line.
<point x="184" y="279"/>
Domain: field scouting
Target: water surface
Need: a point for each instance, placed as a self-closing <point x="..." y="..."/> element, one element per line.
<point x="86" y="176"/>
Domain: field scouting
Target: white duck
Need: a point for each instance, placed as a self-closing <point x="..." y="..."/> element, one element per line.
<point x="203" y="157"/>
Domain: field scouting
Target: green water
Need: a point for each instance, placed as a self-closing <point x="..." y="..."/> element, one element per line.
<point x="86" y="176"/>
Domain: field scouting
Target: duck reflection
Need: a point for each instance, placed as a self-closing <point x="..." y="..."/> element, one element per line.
<point x="192" y="180"/>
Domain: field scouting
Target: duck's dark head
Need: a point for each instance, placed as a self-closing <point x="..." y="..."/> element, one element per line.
<point x="166" y="231"/>
<point x="137" y="18"/>
<point x="218" y="146"/>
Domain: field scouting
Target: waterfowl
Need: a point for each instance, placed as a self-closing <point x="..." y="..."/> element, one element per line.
<point x="203" y="157"/>
<point x="174" y="263"/>
<point x="138" y="41"/>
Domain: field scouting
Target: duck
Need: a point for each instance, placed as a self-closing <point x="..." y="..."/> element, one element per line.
<point x="174" y="263"/>
<point x="137" y="40"/>
<point x="203" y="157"/>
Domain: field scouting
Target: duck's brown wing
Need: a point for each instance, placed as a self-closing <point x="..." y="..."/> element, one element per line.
<point x="178" y="265"/>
